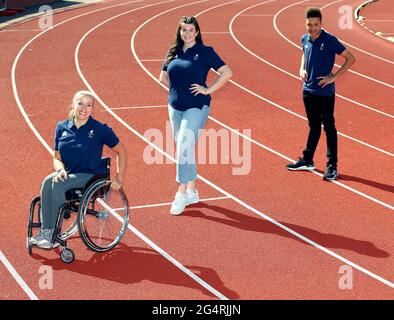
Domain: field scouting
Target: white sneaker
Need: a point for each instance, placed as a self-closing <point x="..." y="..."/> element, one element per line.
<point x="179" y="203"/>
<point x="46" y="243"/>
<point x="192" y="197"/>
<point x="40" y="236"/>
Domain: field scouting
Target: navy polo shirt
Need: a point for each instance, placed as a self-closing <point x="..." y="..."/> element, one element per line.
<point x="191" y="66"/>
<point x="81" y="149"/>
<point x="319" y="60"/>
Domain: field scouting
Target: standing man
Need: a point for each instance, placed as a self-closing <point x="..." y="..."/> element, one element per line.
<point x="317" y="61"/>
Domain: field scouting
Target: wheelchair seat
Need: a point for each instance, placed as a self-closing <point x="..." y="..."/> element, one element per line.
<point x="75" y="194"/>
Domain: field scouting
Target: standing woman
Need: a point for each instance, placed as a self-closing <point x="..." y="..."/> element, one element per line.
<point x="185" y="71"/>
<point x="79" y="142"/>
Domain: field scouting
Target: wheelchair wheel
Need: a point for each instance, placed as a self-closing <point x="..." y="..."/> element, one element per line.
<point x="67" y="255"/>
<point x="103" y="216"/>
<point x="69" y="224"/>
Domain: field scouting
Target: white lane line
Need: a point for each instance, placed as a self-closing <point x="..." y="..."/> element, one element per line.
<point x="131" y="129"/>
<point x="13" y="70"/>
<point x="304" y="118"/>
<point x="357" y="48"/>
<point x="40" y="138"/>
<point x="215" y="7"/>
<point x="364" y="195"/>
<point x="377" y="20"/>
<point x="300" y="236"/>
<point x="257" y="15"/>
<point x="329" y="4"/>
<point x="165" y="254"/>
<point x="170" y="203"/>
<point x="175" y="262"/>
<point x="119" y="119"/>
<point x="21" y="30"/>
<point x="286" y="72"/>
<point x="17" y="277"/>
<point x="138" y="107"/>
<point x="276" y="104"/>
<point x="298" y="46"/>
<point x="138" y="233"/>
<point x="294" y="76"/>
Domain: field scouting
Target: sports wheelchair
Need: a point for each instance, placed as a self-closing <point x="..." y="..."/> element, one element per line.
<point x="100" y="213"/>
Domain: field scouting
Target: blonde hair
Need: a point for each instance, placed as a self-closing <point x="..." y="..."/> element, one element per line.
<point x="77" y="97"/>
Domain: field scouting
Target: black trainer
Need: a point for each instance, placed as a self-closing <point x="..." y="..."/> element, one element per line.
<point x="301" y="164"/>
<point x="331" y="172"/>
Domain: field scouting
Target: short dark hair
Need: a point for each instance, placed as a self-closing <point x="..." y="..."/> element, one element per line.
<point x="313" y="13"/>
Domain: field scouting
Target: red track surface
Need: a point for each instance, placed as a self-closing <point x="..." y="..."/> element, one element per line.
<point x="227" y="243"/>
<point x="379" y="17"/>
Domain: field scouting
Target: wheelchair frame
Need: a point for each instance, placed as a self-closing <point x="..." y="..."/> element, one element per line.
<point x="78" y="200"/>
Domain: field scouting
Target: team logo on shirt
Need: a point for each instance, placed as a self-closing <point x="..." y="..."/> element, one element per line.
<point x="64" y="134"/>
<point x="306" y="46"/>
<point x="195" y="57"/>
<point x="91" y="134"/>
<point x="322" y="47"/>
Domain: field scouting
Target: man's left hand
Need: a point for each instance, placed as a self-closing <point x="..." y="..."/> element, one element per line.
<point x="326" y="80"/>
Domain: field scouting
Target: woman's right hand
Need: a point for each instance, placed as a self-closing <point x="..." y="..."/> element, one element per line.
<point x="61" y="175"/>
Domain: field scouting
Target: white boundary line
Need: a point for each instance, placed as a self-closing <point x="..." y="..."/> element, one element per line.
<point x="17" y="277"/>
<point x="13" y="71"/>
<point x="154" y="146"/>
<point x="138" y="233"/>
<point x="357" y="48"/>
<point x="356" y="17"/>
<point x="138" y="107"/>
<point x="169" y="203"/>
<point x="364" y="195"/>
<point x="171" y="259"/>
<point x="377" y="20"/>
<point x="149" y="242"/>
<point x="257" y="15"/>
<point x="277" y="105"/>
<point x="333" y="254"/>
<point x="164" y="253"/>
<point x="294" y="44"/>
<point x="153" y="60"/>
<point x="284" y="71"/>
<point x="44" y="143"/>
<point x="21" y="30"/>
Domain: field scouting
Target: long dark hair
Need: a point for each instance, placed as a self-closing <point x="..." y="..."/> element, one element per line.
<point x="178" y="42"/>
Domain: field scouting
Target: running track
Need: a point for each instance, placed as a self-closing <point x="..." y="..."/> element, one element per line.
<point x="272" y="234"/>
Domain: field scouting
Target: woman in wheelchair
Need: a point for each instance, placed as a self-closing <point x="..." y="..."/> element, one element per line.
<point x="79" y="144"/>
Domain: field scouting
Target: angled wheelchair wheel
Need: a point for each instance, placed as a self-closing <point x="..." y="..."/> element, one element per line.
<point x="103" y="216"/>
<point x="69" y="223"/>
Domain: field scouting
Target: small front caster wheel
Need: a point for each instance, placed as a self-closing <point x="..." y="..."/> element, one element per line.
<point x="67" y="255"/>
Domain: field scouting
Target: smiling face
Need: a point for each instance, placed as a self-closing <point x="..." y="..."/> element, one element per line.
<point x="83" y="108"/>
<point x="313" y="27"/>
<point x="188" y="34"/>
